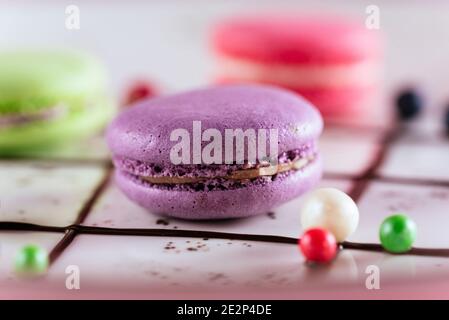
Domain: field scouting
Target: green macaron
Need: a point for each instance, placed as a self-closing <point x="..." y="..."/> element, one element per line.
<point x="49" y="98"/>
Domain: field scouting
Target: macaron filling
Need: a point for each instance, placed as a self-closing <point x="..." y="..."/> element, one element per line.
<point x="47" y="114"/>
<point x="244" y="174"/>
<point x="59" y="111"/>
<point x="215" y="177"/>
<point x="360" y="73"/>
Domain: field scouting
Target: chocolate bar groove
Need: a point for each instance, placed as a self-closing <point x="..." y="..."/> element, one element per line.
<point x="361" y="183"/>
<point x="72" y="230"/>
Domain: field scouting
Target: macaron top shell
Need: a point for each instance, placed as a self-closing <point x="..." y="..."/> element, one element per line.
<point x="143" y="131"/>
<point x="34" y="80"/>
<point x="296" y="39"/>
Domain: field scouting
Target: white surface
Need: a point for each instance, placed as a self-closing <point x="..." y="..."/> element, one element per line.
<point x="167" y="41"/>
<point x="43" y="193"/>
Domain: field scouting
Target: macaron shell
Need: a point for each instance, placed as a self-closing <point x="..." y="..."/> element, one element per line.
<point x="46" y="135"/>
<point x="143" y="131"/>
<point x="33" y="80"/>
<point x="293" y="39"/>
<point x="217" y="204"/>
<point x="340" y="102"/>
<point x="332" y="102"/>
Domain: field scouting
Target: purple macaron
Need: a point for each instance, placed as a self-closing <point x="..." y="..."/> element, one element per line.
<point x="222" y="152"/>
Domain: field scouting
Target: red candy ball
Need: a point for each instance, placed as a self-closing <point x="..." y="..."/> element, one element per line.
<point x="138" y="91"/>
<point x="318" y="245"/>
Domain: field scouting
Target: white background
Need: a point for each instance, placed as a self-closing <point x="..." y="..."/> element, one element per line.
<point x="167" y="41"/>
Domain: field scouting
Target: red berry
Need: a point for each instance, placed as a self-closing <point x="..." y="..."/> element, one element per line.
<point x="140" y="90"/>
<point x="318" y="245"/>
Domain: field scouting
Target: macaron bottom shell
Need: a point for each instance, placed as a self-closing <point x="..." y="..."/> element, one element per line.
<point x="222" y="204"/>
<point x="44" y="135"/>
<point x="333" y="103"/>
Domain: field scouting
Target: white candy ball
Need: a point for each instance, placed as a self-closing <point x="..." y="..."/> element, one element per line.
<point x="330" y="209"/>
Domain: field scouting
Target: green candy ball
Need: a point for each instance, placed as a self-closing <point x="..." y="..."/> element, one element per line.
<point x="397" y="233"/>
<point x="31" y="260"/>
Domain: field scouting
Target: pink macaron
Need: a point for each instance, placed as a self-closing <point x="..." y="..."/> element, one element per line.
<point x="334" y="62"/>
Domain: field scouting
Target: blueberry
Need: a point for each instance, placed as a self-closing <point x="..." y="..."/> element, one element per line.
<point x="409" y="103"/>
